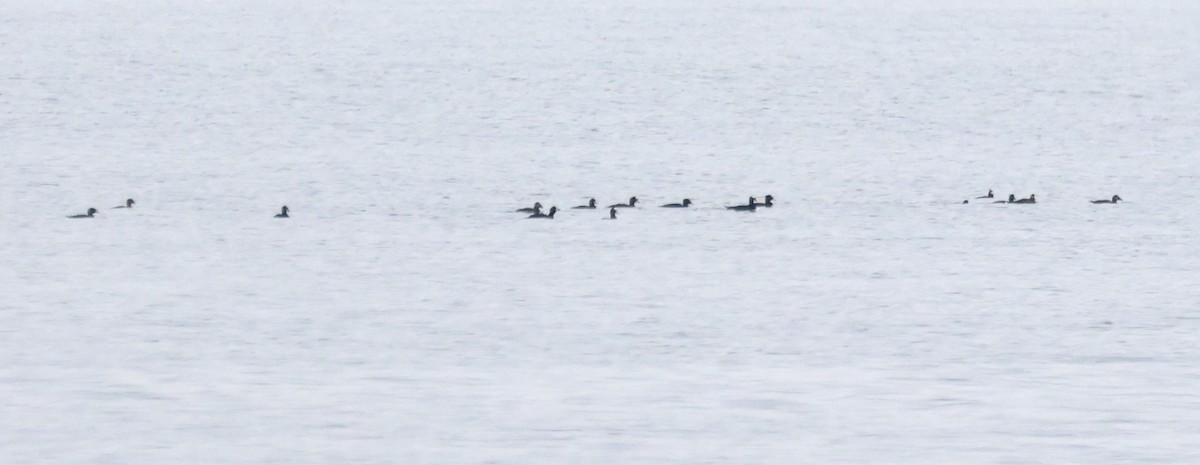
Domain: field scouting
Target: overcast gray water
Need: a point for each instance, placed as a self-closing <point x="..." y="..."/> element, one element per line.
<point x="405" y="314"/>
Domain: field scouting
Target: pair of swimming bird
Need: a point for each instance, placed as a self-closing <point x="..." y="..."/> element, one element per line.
<point x="753" y="204"/>
<point x="1033" y="199"/>
<point x="91" y="212"/>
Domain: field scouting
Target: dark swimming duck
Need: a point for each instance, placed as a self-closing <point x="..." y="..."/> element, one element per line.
<point x="537" y="208"/>
<point x="748" y="207"/>
<point x="768" y="203"/>
<point x="128" y="204"/>
<point x="1011" y="199"/>
<point x="686" y="203"/>
<point x="550" y="216"/>
<point x="1115" y="199"/>
<point x="632" y="203"/>
<point x="91" y="213"/>
<point x="283" y="213"/>
<point x="990" y="195"/>
<point x="591" y="205"/>
<point x="1032" y="199"/>
<point x="612" y="214"/>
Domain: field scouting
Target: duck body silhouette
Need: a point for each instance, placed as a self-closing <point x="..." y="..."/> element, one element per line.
<point x="537" y="208"/>
<point x="612" y="214"/>
<point x="1115" y="199"/>
<point x="748" y="207"/>
<point x="686" y="203"/>
<point x="590" y="206"/>
<point x="548" y="216"/>
<point x="90" y="214"/>
<point x="283" y="212"/>
<point x="632" y="203"/>
<point x="1032" y="199"/>
<point x="128" y="204"/>
<point x="1011" y="199"/>
<point x="989" y="195"/>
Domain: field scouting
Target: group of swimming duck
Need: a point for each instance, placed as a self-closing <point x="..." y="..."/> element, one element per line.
<point x="536" y="210"/>
<point x="751" y="205"/>
<point x="1033" y="199"/>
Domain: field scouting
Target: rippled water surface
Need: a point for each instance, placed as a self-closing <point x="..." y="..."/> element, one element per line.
<point x="404" y="314"/>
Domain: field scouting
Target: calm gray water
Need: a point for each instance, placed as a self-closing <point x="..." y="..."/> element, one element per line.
<point x="404" y="314"/>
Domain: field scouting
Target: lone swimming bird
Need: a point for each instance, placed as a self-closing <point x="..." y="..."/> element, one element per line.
<point x="749" y="207"/>
<point x="283" y="213"/>
<point x="128" y="204"/>
<point x="989" y="196"/>
<point x="1032" y="199"/>
<point x="768" y="203"/>
<point x="591" y="205"/>
<point x="632" y="202"/>
<point x="537" y="208"/>
<point x="686" y="203"/>
<point x="1011" y="199"/>
<point x="612" y="214"/>
<point x="91" y="212"/>
<point x="1114" y="200"/>
<point x="553" y="210"/>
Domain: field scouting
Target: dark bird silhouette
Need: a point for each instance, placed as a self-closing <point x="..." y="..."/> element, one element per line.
<point x="686" y="203"/>
<point x="748" y="207"/>
<point x="537" y="208"/>
<point x="632" y="203"/>
<point x="90" y="213"/>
